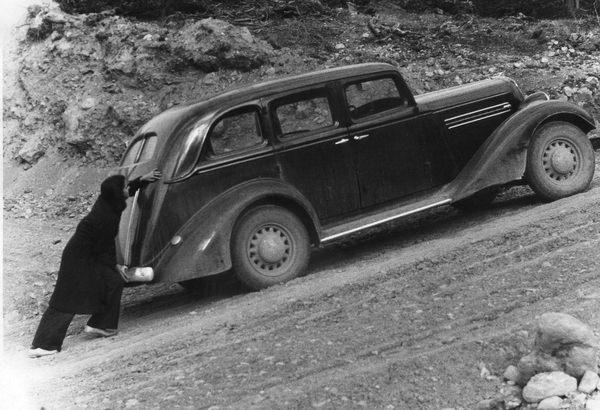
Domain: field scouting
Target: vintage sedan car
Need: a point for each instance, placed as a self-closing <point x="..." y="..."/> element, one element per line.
<point x="254" y="177"/>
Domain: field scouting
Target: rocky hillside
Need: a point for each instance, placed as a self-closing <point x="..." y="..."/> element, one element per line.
<point x="77" y="86"/>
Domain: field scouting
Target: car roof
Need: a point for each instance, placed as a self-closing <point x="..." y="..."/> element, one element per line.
<point x="299" y="81"/>
<point x="263" y="89"/>
<point x="166" y="122"/>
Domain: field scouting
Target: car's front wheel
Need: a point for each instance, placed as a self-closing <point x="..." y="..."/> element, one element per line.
<point x="560" y="161"/>
<point x="269" y="245"/>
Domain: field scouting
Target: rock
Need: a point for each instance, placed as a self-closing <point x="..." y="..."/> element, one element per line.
<point x="340" y="46"/>
<point x="534" y="363"/>
<point x="592" y="81"/>
<point x="89" y="102"/>
<point x="576" y="400"/>
<point x="210" y="78"/>
<point x="568" y="91"/>
<point x="512" y="396"/>
<point x="562" y="343"/>
<point x="490" y="404"/>
<point x="550" y="403"/>
<point x="584" y="95"/>
<point x="593" y="403"/>
<point x="55" y="17"/>
<point x="578" y="359"/>
<point x="212" y="44"/>
<point x="589" y="382"/>
<point x="131" y="403"/>
<point x="55" y="36"/>
<point x="484" y="373"/>
<point x="511" y="373"/>
<point x="33" y="150"/>
<point x="546" y="385"/>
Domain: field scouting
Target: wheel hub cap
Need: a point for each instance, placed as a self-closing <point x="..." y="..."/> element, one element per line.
<point x="560" y="160"/>
<point x="271" y="248"/>
<point x="563" y="161"/>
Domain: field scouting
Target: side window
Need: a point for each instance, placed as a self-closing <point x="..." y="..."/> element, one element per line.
<point x="235" y="132"/>
<point x="305" y="112"/>
<point x="369" y="97"/>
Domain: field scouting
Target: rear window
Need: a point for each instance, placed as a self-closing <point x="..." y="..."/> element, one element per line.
<point x="140" y="150"/>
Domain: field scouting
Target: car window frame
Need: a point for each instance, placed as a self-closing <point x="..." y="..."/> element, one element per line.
<point x="400" y="112"/>
<point x="207" y="149"/>
<point x="291" y="95"/>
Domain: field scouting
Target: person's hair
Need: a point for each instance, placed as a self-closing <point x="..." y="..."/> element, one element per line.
<point x="111" y="190"/>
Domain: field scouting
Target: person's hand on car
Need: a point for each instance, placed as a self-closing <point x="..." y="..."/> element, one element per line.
<point x="151" y="176"/>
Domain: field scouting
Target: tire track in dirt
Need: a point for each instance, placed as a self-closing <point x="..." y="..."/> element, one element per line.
<point x="371" y="284"/>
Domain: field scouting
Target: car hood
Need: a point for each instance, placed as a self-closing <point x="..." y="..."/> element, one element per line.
<point x="437" y="100"/>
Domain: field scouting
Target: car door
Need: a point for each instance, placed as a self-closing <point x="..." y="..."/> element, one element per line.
<point x="314" y="151"/>
<point x="398" y="152"/>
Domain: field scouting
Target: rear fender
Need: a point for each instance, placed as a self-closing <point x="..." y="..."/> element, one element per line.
<point x="502" y="158"/>
<point x="204" y="249"/>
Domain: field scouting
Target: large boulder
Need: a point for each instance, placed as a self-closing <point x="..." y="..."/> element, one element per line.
<point x="562" y="343"/>
<point x="212" y="44"/>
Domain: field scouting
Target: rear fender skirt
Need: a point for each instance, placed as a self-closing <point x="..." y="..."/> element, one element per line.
<point x="204" y="249"/>
<point x="502" y="157"/>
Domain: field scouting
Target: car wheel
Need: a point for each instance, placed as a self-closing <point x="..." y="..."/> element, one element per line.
<point x="560" y="161"/>
<point x="478" y="200"/>
<point x="269" y="245"/>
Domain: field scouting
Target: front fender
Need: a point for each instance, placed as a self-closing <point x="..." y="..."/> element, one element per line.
<point x="204" y="248"/>
<point x="503" y="156"/>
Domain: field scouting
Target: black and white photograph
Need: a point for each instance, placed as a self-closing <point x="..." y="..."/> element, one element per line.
<point x="300" y="204"/>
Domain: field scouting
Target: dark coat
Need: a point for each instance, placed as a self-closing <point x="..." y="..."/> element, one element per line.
<point x="87" y="271"/>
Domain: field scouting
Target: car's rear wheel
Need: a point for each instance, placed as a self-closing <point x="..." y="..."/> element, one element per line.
<point x="560" y="161"/>
<point x="269" y="245"/>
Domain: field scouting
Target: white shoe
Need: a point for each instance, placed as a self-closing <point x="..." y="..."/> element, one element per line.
<point x="39" y="352"/>
<point x="100" y="332"/>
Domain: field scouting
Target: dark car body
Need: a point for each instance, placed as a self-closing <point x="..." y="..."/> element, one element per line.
<point x="308" y="144"/>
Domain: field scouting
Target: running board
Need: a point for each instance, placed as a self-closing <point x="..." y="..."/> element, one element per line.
<point x="372" y="220"/>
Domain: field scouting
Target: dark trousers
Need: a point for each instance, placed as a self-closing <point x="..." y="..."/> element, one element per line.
<point x="53" y="326"/>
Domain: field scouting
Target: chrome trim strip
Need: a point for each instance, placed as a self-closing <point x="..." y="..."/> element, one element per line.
<point x="478" y="119"/>
<point x="501" y="105"/>
<point x="239" y="160"/>
<point x="476" y="116"/>
<point x="129" y="239"/>
<point x="388" y="219"/>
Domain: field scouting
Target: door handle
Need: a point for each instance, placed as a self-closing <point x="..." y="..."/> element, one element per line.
<point x="360" y="137"/>
<point x="342" y="141"/>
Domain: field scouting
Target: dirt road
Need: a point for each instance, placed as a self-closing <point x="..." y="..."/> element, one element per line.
<point x="400" y="319"/>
